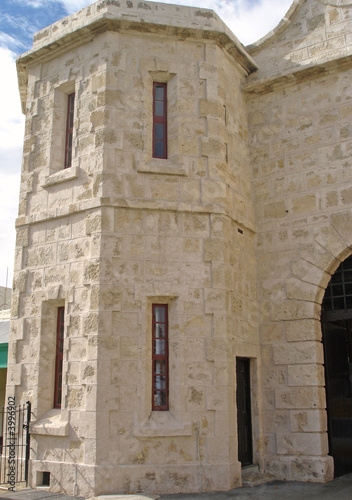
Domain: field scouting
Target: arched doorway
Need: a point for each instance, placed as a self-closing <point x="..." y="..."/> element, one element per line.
<point x="336" y="319"/>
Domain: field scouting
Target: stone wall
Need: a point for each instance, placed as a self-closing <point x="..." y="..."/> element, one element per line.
<point x="300" y="143"/>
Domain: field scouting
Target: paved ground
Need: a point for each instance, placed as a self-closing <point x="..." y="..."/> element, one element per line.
<point x="339" y="489"/>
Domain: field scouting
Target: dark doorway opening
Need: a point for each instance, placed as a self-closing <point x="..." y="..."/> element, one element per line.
<point x="336" y="319"/>
<point x="244" y="418"/>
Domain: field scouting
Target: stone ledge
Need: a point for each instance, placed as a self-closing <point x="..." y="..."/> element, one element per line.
<point x="53" y="423"/>
<point x="64" y="175"/>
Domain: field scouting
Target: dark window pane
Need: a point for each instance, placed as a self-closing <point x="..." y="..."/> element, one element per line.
<point x="159" y="149"/>
<point x="348" y="276"/>
<point x="337" y="290"/>
<point x="348" y="302"/>
<point x="159" y="93"/>
<point x="159" y="366"/>
<point x="160" y="382"/>
<point x="159" y="108"/>
<point x="159" y="131"/>
<point x="159" y="314"/>
<point x="159" y="347"/>
<point x="339" y="304"/>
<point x="160" y="331"/>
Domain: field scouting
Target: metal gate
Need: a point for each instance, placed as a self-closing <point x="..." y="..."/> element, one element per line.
<point x="14" y="443"/>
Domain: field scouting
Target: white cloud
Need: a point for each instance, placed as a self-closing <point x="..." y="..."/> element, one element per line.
<point x="11" y="140"/>
<point x="72" y="6"/>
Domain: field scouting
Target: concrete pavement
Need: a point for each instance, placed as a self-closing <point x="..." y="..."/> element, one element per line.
<point x="339" y="489"/>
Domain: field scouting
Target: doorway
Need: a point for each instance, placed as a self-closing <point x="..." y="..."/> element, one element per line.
<point x="336" y="319"/>
<point x="244" y="418"/>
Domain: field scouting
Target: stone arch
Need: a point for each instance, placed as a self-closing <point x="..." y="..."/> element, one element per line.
<point x="336" y="326"/>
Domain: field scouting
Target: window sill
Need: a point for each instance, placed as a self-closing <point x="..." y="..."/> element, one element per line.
<point x="162" y="424"/>
<point x="53" y="423"/>
<point x="62" y="176"/>
<point x="160" y="166"/>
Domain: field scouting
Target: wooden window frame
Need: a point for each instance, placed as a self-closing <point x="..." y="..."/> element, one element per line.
<point x="59" y="356"/>
<point x="161" y="359"/>
<point x="160" y="120"/>
<point x="69" y="129"/>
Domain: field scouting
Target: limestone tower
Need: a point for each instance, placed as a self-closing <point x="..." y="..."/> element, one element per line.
<point x="135" y="275"/>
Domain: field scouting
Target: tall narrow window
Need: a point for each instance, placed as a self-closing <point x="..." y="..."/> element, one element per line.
<point x="59" y="357"/>
<point x="69" y="130"/>
<point x="159" y="120"/>
<point x="160" y="358"/>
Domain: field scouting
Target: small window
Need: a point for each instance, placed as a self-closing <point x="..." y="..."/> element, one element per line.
<point x="160" y="357"/>
<point x="159" y="120"/>
<point x="69" y="130"/>
<point x="59" y="357"/>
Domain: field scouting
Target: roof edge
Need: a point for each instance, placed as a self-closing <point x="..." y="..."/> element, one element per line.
<point x="80" y="28"/>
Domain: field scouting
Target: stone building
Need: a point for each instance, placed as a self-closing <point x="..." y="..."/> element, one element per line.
<point x="185" y="203"/>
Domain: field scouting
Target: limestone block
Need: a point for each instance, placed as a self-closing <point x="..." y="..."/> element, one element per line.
<point x="193" y="273"/>
<point x="129" y="348"/>
<point x="195" y="400"/>
<point x="129" y="399"/>
<point x="307" y="468"/>
<point x="297" y="353"/>
<point x="218" y="449"/>
<point x="215" y="301"/>
<point x="125" y="272"/>
<point x="209" y="108"/>
<point x="293" y="309"/>
<point x="181" y="450"/>
<point x="87" y="424"/>
<point x="301" y="290"/>
<point x="303" y="330"/>
<point x="274" y="210"/>
<point x="308" y="420"/>
<point x="75" y="398"/>
<point x="305" y="375"/>
<point x="121" y="423"/>
<point x="342" y="222"/>
<point x="300" y="397"/>
<point x="216" y="349"/>
<point x="38" y="257"/>
<point x="190" y="190"/>
<point x="274" y="376"/>
<point x="162" y="188"/>
<point x="211" y="148"/>
<point x="276" y="422"/>
<point x="272" y="333"/>
<point x="302" y="269"/>
<point x="129" y="221"/>
<point x="198" y="325"/>
<point x="217" y="397"/>
<point x="305" y="443"/>
<point x="14" y="374"/>
<point x="330" y="240"/>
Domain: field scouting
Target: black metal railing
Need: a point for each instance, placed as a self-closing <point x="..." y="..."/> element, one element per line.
<point x="14" y="443"/>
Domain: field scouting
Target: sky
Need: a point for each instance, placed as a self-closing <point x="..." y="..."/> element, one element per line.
<point x="249" y="20"/>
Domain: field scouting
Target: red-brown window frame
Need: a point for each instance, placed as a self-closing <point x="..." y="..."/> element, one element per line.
<point x="159" y="402"/>
<point x="59" y="357"/>
<point x="69" y="129"/>
<point x="160" y="120"/>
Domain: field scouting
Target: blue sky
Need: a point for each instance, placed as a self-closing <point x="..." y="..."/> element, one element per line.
<point x="19" y="20"/>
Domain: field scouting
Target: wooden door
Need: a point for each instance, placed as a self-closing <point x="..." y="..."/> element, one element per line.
<point x="244" y="420"/>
